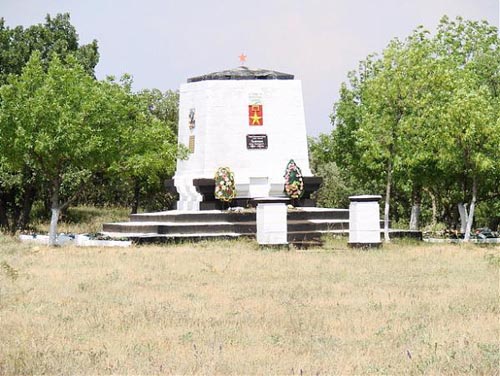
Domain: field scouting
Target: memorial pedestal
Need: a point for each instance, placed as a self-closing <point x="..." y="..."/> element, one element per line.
<point x="249" y="120"/>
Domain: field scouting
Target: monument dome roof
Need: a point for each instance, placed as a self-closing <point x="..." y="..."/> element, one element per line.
<point x="243" y="73"/>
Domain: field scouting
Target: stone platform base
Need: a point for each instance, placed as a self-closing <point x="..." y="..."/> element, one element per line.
<point x="305" y="226"/>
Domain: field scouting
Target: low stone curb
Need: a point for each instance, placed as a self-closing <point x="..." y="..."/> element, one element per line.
<point x="481" y="241"/>
<point x="78" y="240"/>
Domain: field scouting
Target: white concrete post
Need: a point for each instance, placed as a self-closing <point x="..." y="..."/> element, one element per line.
<point x="272" y="223"/>
<point x="364" y="221"/>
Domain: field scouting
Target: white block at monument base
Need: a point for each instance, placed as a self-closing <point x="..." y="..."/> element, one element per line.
<point x="252" y="124"/>
<point x="271" y="223"/>
<point x="364" y="221"/>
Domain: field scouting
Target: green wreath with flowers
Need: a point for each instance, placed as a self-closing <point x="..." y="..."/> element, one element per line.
<point x="225" y="188"/>
<point x="294" y="183"/>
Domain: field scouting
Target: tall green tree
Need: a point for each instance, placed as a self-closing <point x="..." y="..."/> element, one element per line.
<point x="469" y="129"/>
<point x="423" y="113"/>
<point x="151" y="153"/>
<point x="148" y="156"/>
<point x="63" y="124"/>
<point x="20" y="186"/>
<point x="374" y="115"/>
<point x="68" y="128"/>
<point x="61" y="130"/>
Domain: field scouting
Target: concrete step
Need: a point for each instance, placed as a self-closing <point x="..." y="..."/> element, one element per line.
<point x="249" y="227"/>
<point x="306" y="221"/>
<point x="235" y="216"/>
<point x="205" y="216"/>
<point x="318" y="214"/>
<point x="292" y="237"/>
<point x="163" y="228"/>
<point x="300" y="239"/>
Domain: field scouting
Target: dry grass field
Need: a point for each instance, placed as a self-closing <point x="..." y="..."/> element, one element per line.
<point x="228" y="307"/>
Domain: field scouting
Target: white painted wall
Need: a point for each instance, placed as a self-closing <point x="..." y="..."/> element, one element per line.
<point x="221" y="113"/>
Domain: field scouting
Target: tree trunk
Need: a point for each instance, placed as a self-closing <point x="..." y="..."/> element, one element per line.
<point x="28" y="199"/>
<point x="434" y="207"/>
<point x="470" y="217"/>
<point x="494" y="223"/>
<point x="15" y="210"/>
<point x="387" y="201"/>
<point x="462" y="210"/>
<point x="415" y="208"/>
<point x="55" y="209"/>
<point x="53" y="226"/>
<point x="137" y="196"/>
<point x="4" y="219"/>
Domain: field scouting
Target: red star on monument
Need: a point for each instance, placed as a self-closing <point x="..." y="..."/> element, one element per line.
<point x="243" y="58"/>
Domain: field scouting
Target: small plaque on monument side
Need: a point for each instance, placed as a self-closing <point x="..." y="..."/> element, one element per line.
<point x="192" y="120"/>
<point x="256" y="141"/>
<point x="191" y="144"/>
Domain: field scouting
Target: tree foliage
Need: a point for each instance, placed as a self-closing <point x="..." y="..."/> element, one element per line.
<point x="151" y="153"/>
<point x="65" y="127"/>
<point x="19" y="181"/>
<point x="423" y="117"/>
<point x="56" y="37"/>
<point x="64" y="134"/>
<point x="60" y="126"/>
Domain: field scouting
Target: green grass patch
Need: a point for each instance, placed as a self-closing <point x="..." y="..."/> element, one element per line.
<point x="85" y="219"/>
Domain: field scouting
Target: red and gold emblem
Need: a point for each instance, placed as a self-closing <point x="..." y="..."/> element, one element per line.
<point x="255" y="116"/>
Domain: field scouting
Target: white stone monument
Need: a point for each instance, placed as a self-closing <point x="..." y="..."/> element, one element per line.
<point x="249" y="120"/>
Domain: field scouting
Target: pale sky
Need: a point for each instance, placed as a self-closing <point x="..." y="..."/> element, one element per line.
<point x="161" y="43"/>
